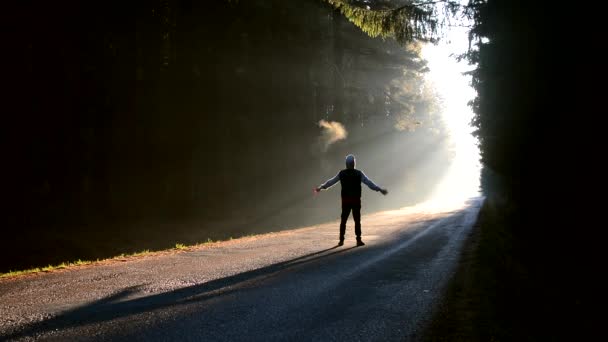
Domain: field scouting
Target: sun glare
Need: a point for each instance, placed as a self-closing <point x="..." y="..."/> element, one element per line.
<point x="446" y="76"/>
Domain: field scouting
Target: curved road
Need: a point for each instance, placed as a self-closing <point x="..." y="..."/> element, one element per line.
<point x="286" y="286"/>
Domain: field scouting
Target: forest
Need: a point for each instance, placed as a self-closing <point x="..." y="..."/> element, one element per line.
<point x="145" y="125"/>
<point x="145" y="117"/>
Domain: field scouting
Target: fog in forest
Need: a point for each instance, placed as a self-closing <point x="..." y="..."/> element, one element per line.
<point x="178" y="121"/>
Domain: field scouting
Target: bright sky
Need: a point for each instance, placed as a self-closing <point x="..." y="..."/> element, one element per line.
<point x="462" y="179"/>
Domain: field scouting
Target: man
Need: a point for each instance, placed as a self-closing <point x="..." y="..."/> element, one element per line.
<point x="350" y="180"/>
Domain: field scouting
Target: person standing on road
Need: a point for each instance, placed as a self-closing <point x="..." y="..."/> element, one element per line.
<point x="350" y="180"/>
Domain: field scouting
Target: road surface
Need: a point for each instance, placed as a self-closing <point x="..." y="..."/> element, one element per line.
<point x="289" y="286"/>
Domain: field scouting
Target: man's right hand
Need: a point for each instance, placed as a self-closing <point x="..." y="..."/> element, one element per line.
<point x="384" y="191"/>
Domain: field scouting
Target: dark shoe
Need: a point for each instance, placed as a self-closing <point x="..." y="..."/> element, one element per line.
<point x="341" y="243"/>
<point x="360" y="243"/>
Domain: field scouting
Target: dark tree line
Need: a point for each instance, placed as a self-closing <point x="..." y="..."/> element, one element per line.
<point x="536" y="80"/>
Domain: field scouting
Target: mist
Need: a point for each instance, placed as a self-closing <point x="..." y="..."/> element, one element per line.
<point x="331" y="132"/>
<point x="180" y="132"/>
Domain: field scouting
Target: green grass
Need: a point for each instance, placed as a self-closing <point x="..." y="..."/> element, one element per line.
<point x="64" y="265"/>
<point x="180" y="246"/>
<point x="49" y="268"/>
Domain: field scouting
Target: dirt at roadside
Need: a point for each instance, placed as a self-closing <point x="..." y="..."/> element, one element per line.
<point x="499" y="294"/>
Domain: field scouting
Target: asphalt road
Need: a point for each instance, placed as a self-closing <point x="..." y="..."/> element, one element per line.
<point x="289" y="286"/>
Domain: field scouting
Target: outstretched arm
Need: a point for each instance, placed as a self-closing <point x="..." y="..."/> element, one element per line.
<point x="371" y="184"/>
<point x="329" y="183"/>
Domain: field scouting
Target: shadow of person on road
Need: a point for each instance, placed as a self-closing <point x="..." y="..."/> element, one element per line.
<point x="120" y="305"/>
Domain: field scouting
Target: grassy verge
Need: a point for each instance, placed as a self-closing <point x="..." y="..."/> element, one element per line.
<point x="516" y="284"/>
<point x="65" y="265"/>
<point x="482" y="301"/>
<point x="71" y="264"/>
<point x="123" y="256"/>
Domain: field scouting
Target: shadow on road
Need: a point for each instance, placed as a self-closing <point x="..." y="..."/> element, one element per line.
<point x="118" y="305"/>
<point x="398" y="263"/>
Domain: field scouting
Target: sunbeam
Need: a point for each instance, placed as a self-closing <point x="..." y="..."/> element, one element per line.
<point x="453" y="87"/>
